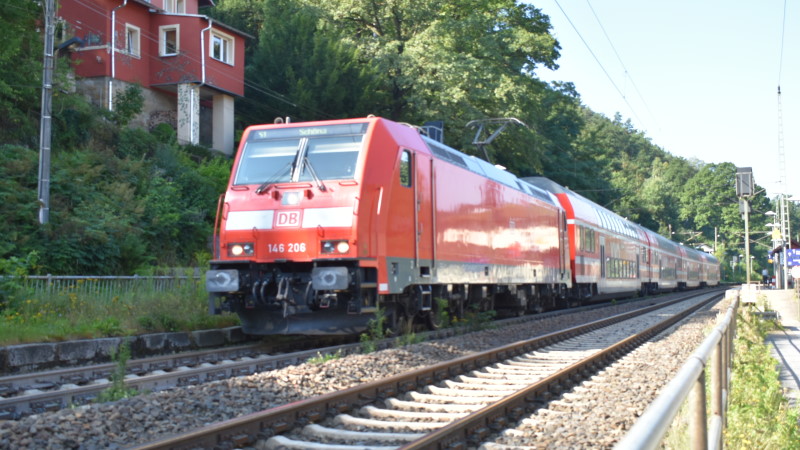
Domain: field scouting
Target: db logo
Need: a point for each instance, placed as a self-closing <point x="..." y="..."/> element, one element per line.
<point x="287" y="219"/>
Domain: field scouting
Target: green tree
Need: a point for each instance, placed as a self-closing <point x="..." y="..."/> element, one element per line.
<point x="303" y="68"/>
<point x="660" y="192"/>
<point x="708" y="201"/>
<point x="459" y="60"/>
<point x="20" y="71"/>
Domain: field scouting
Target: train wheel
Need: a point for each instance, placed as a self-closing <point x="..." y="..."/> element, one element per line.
<point x="435" y="318"/>
<point x="391" y="325"/>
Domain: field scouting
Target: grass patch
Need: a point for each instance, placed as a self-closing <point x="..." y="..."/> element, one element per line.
<point x="759" y="415"/>
<point x="320" y="358"/>
<point x="376" y="330"/>
<point x="408" y="336"/>
<point x="75" y="313"/>
<point x="118" y="390"/>
<point x="478" y="320"/>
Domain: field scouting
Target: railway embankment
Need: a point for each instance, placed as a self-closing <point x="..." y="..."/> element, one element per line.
<point x="46" y="355"/>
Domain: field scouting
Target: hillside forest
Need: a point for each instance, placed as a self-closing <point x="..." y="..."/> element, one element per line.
<point x="128" y="200"/>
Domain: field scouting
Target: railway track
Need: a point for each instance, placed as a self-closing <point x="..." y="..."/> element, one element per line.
<point x="35" y="393"/>
<point x="456" y="404"/>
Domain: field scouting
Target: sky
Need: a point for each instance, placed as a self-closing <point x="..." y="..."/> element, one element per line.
<point x="698" y="77"/>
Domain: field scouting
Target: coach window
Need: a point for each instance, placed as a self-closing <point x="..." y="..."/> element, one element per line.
<point x="405" y="168"/>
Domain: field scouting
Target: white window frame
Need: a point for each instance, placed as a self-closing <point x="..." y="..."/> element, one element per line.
<point x="227" y="48"/>
<point x="133" y="37"/>
<point x="175" y="6"/>
<point x="162" y="39"/>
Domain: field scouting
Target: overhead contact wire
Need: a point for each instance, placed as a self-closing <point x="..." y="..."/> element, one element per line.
<point x="619" y="91"/>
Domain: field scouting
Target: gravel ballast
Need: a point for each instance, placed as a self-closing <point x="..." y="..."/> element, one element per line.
<point x="157" y="415"/>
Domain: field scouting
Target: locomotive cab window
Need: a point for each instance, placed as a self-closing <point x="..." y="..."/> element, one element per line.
<point x="405" y="168"/>
<point x="292" y="154"/>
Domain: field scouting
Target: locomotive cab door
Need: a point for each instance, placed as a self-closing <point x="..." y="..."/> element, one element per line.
<point x="424" y="217"/>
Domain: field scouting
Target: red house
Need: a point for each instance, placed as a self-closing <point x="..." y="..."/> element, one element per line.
<point x="190" y="66"/>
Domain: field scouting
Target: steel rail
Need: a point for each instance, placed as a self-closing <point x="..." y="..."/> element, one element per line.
<point x="247" y="429"/>
<point x="476" y="427"/>
<point x="38" y="392"/>
<point x="56" y="389"/>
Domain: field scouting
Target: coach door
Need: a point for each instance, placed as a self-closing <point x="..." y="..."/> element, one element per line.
<point x="423" y="214"/>
<point x="563" y="243"/>
<point x="602" y="257"/>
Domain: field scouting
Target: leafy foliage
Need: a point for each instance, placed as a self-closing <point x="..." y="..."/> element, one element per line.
<point x="759" y="416"/>
<point x="123" y="200"/>
<point x="120" y="202"/>
<point x="118" y="390"/>
<point x="302" y="67"/>
<point x="376" y="331"/>
<point x="20" y="72"/>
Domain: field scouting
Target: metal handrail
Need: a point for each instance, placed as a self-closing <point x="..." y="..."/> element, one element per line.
<point x="103" y="286"/>
<point x="648" y="432"/>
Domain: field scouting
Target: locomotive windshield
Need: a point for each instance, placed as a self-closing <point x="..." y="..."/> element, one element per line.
<point x="301" y="154"/>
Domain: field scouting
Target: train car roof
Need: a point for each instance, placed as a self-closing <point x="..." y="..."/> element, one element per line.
<point x="486" y="169"/>
<point x="407" y="135"/>
<point x="591" y="212"/>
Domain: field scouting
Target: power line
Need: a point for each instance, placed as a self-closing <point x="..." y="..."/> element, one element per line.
<point x="627" y="72"/>
<point x="783" y="35"/>
<point x="633" y="111"/>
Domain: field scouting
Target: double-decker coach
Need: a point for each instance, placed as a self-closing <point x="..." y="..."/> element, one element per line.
<point x="611" y="256"/>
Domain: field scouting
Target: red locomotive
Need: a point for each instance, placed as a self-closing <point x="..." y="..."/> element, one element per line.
<point x="325" y="223"/>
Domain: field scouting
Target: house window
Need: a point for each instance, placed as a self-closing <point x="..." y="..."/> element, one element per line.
<point x="168" y="42"/>
<point x="221" y="47"/>
<point x="132" y="35"/>
<point x="175" y="6"/>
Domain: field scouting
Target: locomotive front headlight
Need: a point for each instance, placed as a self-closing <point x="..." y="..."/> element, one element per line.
<point x="335" y="247"/>
<point x="343" y="247"/>
<point x="291" y="198"/>
<point x="241" y="249"/>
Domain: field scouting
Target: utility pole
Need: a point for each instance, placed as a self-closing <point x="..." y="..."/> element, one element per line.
<point x="747" y="237"/>
<point x="45" y="129"/>
<point x="783" y="204"/>
<point x="745" y="187"/>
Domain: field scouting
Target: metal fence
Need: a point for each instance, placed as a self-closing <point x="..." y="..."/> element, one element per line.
<point x="705" y="427"/>
<point x="101" y="287"/>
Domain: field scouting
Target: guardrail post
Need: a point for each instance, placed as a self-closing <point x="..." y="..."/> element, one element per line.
<point x="49" y="288"/>
<point x="697" y="428"/>
<point x="728" y="365"/>
<point x="717" y="388"/>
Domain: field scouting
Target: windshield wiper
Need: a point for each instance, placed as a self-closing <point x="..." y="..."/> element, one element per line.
<point x="267" y="185"/>
<point x="313" y="173"/>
